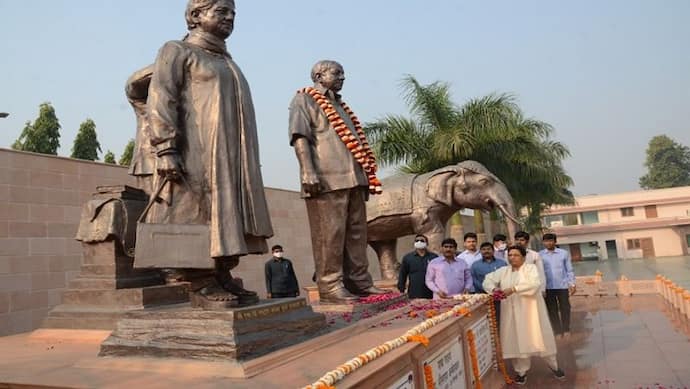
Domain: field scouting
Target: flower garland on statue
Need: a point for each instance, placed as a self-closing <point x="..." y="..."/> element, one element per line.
<point x="356" y="144"/>
<point x="497" y="343"/>
<point x="414" y="334"/>
<point x="474" y="360"/>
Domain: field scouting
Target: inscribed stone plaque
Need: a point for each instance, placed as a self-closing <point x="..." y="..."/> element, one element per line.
<point x="482" y="341"/>
<point x="404" y="382"/>
<point x="448" y="367"/>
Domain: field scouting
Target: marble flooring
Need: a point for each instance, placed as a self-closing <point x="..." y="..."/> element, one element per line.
<point x="675" y="268"/>
<point x="620" y="342"/>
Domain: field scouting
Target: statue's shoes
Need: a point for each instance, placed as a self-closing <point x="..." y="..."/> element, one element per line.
<point x="371" y="290"/>
<point x="232" y="287"/>
<point x="214" y="292"/>
<point x="338" y="296"/>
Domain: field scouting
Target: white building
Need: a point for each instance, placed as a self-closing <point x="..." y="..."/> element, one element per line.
<point x="646" y="223"/>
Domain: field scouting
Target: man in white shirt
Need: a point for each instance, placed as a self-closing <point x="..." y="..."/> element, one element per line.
<point x="471" y="254"/>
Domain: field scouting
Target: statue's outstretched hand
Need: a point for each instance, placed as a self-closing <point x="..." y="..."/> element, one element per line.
<point x="170" y="166"/>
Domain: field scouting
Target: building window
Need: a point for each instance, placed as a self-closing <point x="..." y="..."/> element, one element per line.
<point x="634" y="244"/>
<point x="570" y="219"/>
<point x="553" y="221"/>
<point x="590" y="217"/>
<point x="687" y="239"/>
<point x="650" y="211"/>
<point x="628" y="211"/>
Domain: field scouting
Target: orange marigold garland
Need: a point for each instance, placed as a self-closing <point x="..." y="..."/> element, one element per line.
<point x="429" y="377"/>
<point x="419" y="338"/>
<point x="356" y="144"/>
<point x="497" y="342"/>
<point x="473" y="359"/>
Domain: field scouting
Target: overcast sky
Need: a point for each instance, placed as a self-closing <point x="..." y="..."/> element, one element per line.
<point x="608" y="75"/>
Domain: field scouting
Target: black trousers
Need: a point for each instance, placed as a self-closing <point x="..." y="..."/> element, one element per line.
<point x="283" y="295"/>
<point x="558" y="305"/>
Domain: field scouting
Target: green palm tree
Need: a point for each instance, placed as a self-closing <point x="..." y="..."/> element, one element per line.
<point x="491" y="130"/>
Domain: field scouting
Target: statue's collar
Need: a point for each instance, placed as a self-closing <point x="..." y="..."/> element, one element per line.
<point x="327" y="92"/>
<point x="207" y="41"/>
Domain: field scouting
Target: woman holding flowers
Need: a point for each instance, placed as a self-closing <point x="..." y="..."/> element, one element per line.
<point x="525" y="327"/>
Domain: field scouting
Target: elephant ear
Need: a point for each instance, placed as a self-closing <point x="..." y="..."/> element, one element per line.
<point x="438" y="187"/>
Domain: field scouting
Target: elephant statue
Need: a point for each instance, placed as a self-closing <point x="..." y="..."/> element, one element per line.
<point x="423" y="204"/>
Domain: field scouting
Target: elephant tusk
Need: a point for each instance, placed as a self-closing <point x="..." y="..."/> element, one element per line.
<point x="508" y="214"/>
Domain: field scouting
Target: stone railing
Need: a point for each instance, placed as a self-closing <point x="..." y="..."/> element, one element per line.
<point x="674" y="295"/>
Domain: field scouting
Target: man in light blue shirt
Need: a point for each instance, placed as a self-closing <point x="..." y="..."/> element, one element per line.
<point x="560" y="284"/>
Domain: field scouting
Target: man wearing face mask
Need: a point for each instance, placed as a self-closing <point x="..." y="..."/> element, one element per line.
<point x="414" y="266"/>
<point x="281" y="281"/>
<point x="500" y="246"/>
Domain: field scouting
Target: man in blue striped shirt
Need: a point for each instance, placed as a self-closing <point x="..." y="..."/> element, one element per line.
<point x="560" y="284"/>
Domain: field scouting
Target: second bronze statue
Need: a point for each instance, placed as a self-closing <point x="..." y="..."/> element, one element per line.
<point x="338" y="173"/>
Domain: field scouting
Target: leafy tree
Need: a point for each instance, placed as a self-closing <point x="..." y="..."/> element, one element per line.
<point x="109" y="157"/>
<point x="127" y="154"/>
<point x="43" y="136"/>
<point x="668" y="164"/>
<point x="491" y="130"/>
<point x="86" y="144"/>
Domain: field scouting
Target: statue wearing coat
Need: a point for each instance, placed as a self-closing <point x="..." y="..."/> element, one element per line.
<point x="200" y="128"/>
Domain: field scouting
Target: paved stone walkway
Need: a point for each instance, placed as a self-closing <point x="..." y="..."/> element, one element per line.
<point x="621" y="342"/>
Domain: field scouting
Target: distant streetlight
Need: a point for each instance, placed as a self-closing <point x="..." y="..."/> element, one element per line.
<point x="4" y="114"/>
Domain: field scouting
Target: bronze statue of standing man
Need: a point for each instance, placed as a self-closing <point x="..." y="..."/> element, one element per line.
<point x="202" y="126"/>
<point x="338" y="172"/>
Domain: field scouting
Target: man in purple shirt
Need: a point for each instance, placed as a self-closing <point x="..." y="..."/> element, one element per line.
<point x="447" y="276"/>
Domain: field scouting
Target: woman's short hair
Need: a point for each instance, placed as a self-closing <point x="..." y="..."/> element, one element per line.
<point x="521" y="249"/>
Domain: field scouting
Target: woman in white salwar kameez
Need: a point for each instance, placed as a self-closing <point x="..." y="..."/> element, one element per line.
<point x="525" y="328"/>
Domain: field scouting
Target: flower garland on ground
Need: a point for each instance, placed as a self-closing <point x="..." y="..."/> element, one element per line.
<point x="473" y="359"/>
<point x="497" y="343"/>
<point x="414" y="334"/>
<point x="357" y="145"/>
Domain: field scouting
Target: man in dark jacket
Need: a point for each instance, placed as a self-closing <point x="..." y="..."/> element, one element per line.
<point x="280" y="276"/>
<point x="414" y="266"/>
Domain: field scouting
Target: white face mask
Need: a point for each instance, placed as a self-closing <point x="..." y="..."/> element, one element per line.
<point x="279" y="254"/>
<point x="420" y="245"/>
<point x="502" y="246"/>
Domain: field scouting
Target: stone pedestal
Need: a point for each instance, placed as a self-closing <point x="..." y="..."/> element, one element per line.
<point x="107" y="287"/>
<point x="360" y="307"/>
<point x="225" y="335"/>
